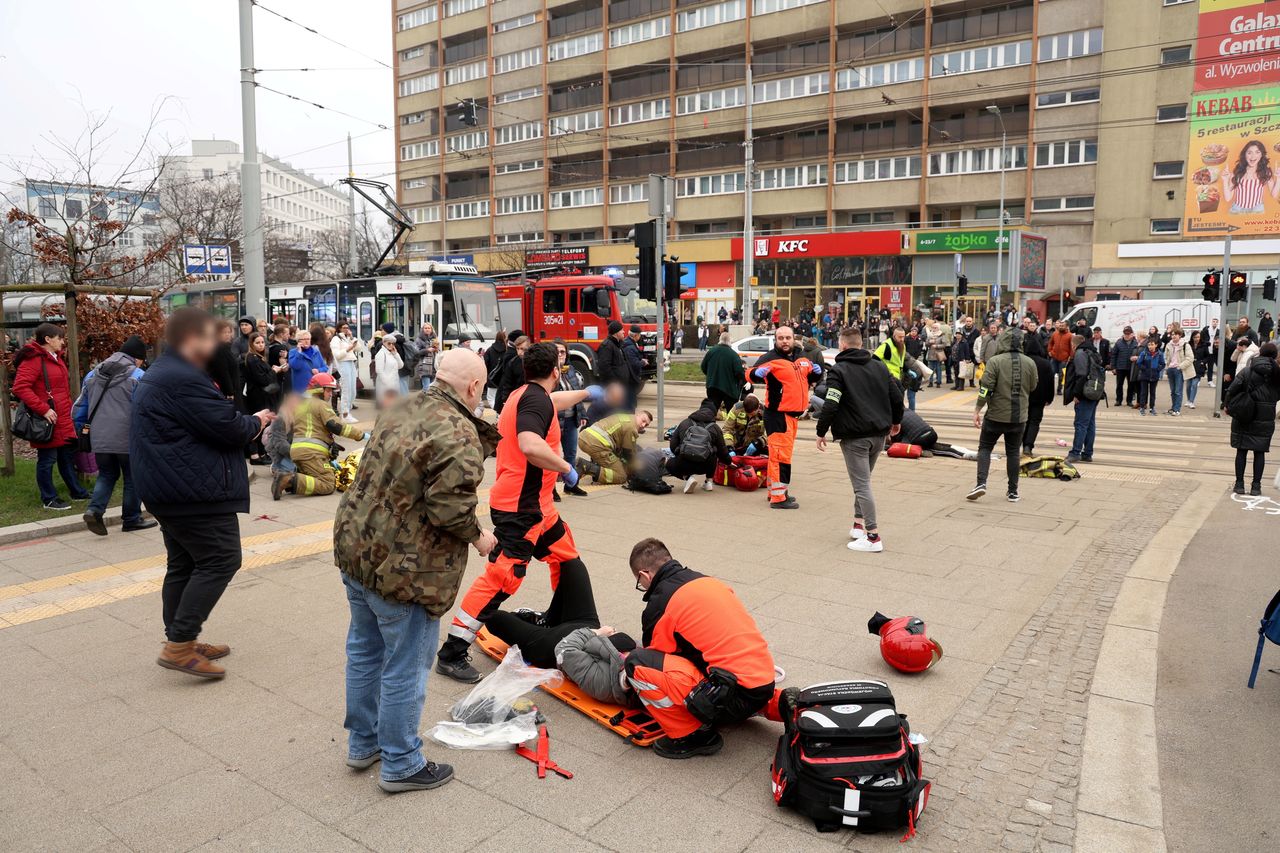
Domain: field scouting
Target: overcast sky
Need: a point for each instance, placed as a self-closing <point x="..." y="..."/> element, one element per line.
<point x="60" y="57"/>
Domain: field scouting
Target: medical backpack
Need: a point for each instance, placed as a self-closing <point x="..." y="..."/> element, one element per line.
<point x="845" y="759"/>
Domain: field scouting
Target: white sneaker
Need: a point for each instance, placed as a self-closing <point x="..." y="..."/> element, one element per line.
<point x="689" y="483"/>
<point x="351" y="419"/>
<point x="1210" y="383"/>
<point x="708" y="486"/>
<point x="857" y="533"/>
<point x="1191" y="405"/>
<point x="872" y="546"/>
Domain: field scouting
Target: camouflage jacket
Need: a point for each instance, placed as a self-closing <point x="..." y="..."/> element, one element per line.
<point x="403" y="527"/>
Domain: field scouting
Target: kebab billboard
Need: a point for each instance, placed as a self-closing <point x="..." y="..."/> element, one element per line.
<point x="1233" y="162"/>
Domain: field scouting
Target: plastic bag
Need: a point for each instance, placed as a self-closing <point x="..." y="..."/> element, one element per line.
<point x="491" y="715"/>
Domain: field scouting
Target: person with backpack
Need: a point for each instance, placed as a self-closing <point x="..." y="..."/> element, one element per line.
<point x="1251" y="403"/>
<point x="697" y="445"/>
<point x="609" y="444"/>
<point x="1084" y="384"/>
<point x="1007" y="385"/>
<point x="1150" y="367"/>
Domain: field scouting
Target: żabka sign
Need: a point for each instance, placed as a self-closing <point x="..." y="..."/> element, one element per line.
<point x="1238" y="44"/>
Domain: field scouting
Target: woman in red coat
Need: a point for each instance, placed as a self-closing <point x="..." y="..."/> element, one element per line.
<point x="40" y="357"/>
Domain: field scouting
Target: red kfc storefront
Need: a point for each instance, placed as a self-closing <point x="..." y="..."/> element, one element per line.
<point x="844" y="273"/>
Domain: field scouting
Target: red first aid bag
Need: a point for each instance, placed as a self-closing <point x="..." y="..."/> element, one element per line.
<point x="898" y="450"/>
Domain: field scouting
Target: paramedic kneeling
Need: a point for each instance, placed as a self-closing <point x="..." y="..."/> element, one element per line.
<point x="703" y="662"/>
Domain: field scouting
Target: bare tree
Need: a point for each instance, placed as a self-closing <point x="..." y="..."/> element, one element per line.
<point x="331" y="252"/>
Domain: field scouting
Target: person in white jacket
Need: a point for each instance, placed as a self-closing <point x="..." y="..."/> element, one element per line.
<point x="386" y="369"/>
<point x="345" y="348"/>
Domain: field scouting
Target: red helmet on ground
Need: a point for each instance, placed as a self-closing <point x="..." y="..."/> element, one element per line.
<point x="745" y="479"/>
<point x="904" y="645"/>
<point x="322" y="381"/>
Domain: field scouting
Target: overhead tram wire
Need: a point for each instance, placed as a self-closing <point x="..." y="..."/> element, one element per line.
<point x="319" y="34"/>
<point x="376" y="124"/>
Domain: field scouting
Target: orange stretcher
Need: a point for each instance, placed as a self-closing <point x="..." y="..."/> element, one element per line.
<point x="633" y="724"/>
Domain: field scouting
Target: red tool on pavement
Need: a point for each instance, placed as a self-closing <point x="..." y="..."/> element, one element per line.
<point x="542" y="757"/>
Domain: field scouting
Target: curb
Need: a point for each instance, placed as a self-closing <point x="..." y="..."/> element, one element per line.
<point x="1119" y="806"/>
<point x="16" y="533"/>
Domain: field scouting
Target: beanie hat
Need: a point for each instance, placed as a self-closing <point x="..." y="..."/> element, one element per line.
<point x="635" y="330"/>
<point x="388" y="327"/>
<point x="614" y="327"/>
<point x="622" y="642"/>
<point x="134" y="347"/>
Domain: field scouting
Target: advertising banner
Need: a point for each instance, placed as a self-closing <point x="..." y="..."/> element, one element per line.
<point x="851" y="243"/>
<point x="1238" y="44"/>
<point x="959" y="241"/>
<point x="895" y="299"/>
<point x="1232" y="163"/>
<point x="1028" y="256"/>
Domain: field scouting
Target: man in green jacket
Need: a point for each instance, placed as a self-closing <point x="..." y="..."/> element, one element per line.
<point x="725" y="372"/>
<point x="1005" y="392"/>
<point x="400" y="539"/>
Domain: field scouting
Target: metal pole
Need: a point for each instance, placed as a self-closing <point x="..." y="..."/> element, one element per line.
<point x="749" y="179"/>
<point x="255" y="287"/>
<point x="1000" y="239"/>
<point x="661" y="234"/>
<point x="1223" y="295"/>
<point x="354" y="256"/>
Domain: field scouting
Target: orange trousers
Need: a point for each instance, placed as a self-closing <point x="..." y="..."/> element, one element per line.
<point x="781" y="430"/>
<point x="662" y="681"/>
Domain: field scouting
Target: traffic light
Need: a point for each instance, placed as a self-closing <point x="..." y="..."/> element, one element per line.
<point x="1212" y="286"/>
<point x="645" y="237"/>
<point x="1239" y="291"/>
<point x="466" y="112"/>
<point x="962" y="285"/>
<point x="1269" y="288"/>
<point x="672" y="272"/>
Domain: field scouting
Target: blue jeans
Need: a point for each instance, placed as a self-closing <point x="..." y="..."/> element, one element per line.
<point x="426" y="382"/>
<point x="390" y="647"/>
<point x="911" y="399"/>
<point x="936" y="366"/>
<point x="569" y="440"/>
<point x="1175" y="386"/>
<point x="65" y="458"/>
<point x="1086" y="425"/>
<point x="1193" y="385"/>
<point x="110" y="468"/>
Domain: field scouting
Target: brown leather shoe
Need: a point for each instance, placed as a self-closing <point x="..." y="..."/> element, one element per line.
<point x="212" y="651"/>
<point x="184" y="658"/>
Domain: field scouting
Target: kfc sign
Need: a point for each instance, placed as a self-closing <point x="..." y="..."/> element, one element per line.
<point x="823" y="245"/>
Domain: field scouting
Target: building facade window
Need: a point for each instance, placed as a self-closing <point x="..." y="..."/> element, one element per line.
<point x="467" y="141"/>
<point x="764" y="7"/>
<point x="418" y="85"/>
<point x="717" y="99"/>
<point x="423" y="215"/>
<point x="1171" y="112"/>
<point x="515" y="23"/>
<point x="788" y="177"/>
<point x="576" y="46"/>
<point x="414" y="183"/>
<point x="1072" y="152"/>
<point x="420" y="150"/>
<point x="878" y="169"/>
<point x="1070" y="45"/>
<point x="468" y="209"/>
<point x="416" y="18"/>
<point x="981" y="59"/>
<point x="466" y="73"/>
<point x="640" y="111"/>
<point x="881" y="74"/>
<point x="1169" y="169"/>
<point x="974" y="160"/>
<point x="576" y="123"/>
<point x="509" y="133"/>
<point x="654" y="28"/>
<point x="792" y="87"/>
<point x="1062" y="99"/>
<point x="878" y="217"/>
<point x="413" y="118"/>
<point x="628" y="193"/>
<point x="522" y="237"/>
<point x="510" y="204"/>
<point x="710" y="16"/>
<point x="516" y="60"/>
<point x="1166" y="226"/>
<point x="412" y="53"/>
<point x="46" y="209"/>
<point x="523" y="166"/>
<point x="1055" y="204"/>
<point x="585" y="197"/>
<point x="726" y="184"/>
<point x="458" y="7"/>
<point x="1176" y="55"/>
<point x="517" y="95"/>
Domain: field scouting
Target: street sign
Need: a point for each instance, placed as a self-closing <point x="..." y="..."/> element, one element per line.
<point x="201" y="259"/>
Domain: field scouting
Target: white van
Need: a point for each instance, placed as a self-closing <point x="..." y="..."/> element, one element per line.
<point x="1142" y="314"/>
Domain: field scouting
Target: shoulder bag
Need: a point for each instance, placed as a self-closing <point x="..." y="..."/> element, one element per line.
<point x="83" y="441"/>
<point x="29" y="426"/>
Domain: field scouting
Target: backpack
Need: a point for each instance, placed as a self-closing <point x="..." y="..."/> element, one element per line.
<point x="695" y="445"/>
<point x="646" y="473"/>
<point x="845" y="758"/>
<point x="1095" y="383"/>
<point x="409" y="354"/>
<point x="1268" y="629"/>
<point x="1049" y="468"/>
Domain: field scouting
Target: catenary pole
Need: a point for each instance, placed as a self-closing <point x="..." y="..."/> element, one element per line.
<point x="354" y="258"/>
<point x="251" y="256"/>
<point x="748" y="175"/>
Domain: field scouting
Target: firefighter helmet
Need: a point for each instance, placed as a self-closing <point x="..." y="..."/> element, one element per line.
<point x="322" y="382"/>
<point x="904" y="645"/>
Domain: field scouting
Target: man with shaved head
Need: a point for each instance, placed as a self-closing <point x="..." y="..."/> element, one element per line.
<point x="786" y="374"/>
<point x="400" y="538"/>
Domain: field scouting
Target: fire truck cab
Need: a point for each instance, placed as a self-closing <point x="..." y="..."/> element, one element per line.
<point x="579" y="309"/>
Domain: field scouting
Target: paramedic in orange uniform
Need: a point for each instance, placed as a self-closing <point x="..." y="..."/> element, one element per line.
<point x="786" y="374"/>
<point x="521" y="506"/>
<point x="703" y="663"/>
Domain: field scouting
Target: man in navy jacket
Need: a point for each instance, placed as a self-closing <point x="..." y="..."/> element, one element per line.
<point x="186" y="449"/>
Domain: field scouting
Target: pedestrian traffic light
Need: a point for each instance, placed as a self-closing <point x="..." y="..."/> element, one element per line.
<point x="466" y="112"/>
<point x="1212" y="286"/>
<point x="1269" y="288"/>
<point x="1239" y="290"/>
<point x="645" y="237"/>
<point x="672" y="272"/>
<point x="962" y="285"/>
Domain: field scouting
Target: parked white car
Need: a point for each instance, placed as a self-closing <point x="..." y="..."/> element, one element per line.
<point x="753" y="347"/>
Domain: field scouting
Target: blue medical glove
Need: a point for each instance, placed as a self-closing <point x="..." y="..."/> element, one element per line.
<point x="570" y="477"/>
<point x="594" y="393"/>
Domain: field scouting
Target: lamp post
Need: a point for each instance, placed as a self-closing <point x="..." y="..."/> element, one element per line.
<point x="994" y="110"/>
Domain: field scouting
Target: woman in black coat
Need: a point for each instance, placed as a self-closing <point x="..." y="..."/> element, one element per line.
<point x="224" y="368"/>
<point x="1042" y="396"/>
<point x="1252" y="429"/>
<point x="261" y="390"/>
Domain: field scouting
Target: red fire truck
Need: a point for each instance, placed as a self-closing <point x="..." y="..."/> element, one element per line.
<point x="579" y="309"/>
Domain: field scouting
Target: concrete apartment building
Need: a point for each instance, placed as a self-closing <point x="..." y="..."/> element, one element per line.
<point x="876" y="151"/>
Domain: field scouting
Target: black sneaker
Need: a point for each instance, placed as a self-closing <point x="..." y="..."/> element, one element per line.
<point x="1072" y="459"/>
<point x="533" y="617"/>
<point x="1086" y="459"/>
<point x="555" y="496"/>
<point x="705" y="741"/>
<point x="459" y="669"/>
<point x="144" y="524"/>
<point x="432" y="775"/>
<point x="576" y="491"/>
<point x="789" y="503"/>
<point x="57" y="504"/>
<point x="93" y="521"/>
<point x="976" y="492"/>
<point x="1238" y="489"/>
<point x="1012" y="497"/>
<point x="1255" y="490"/>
